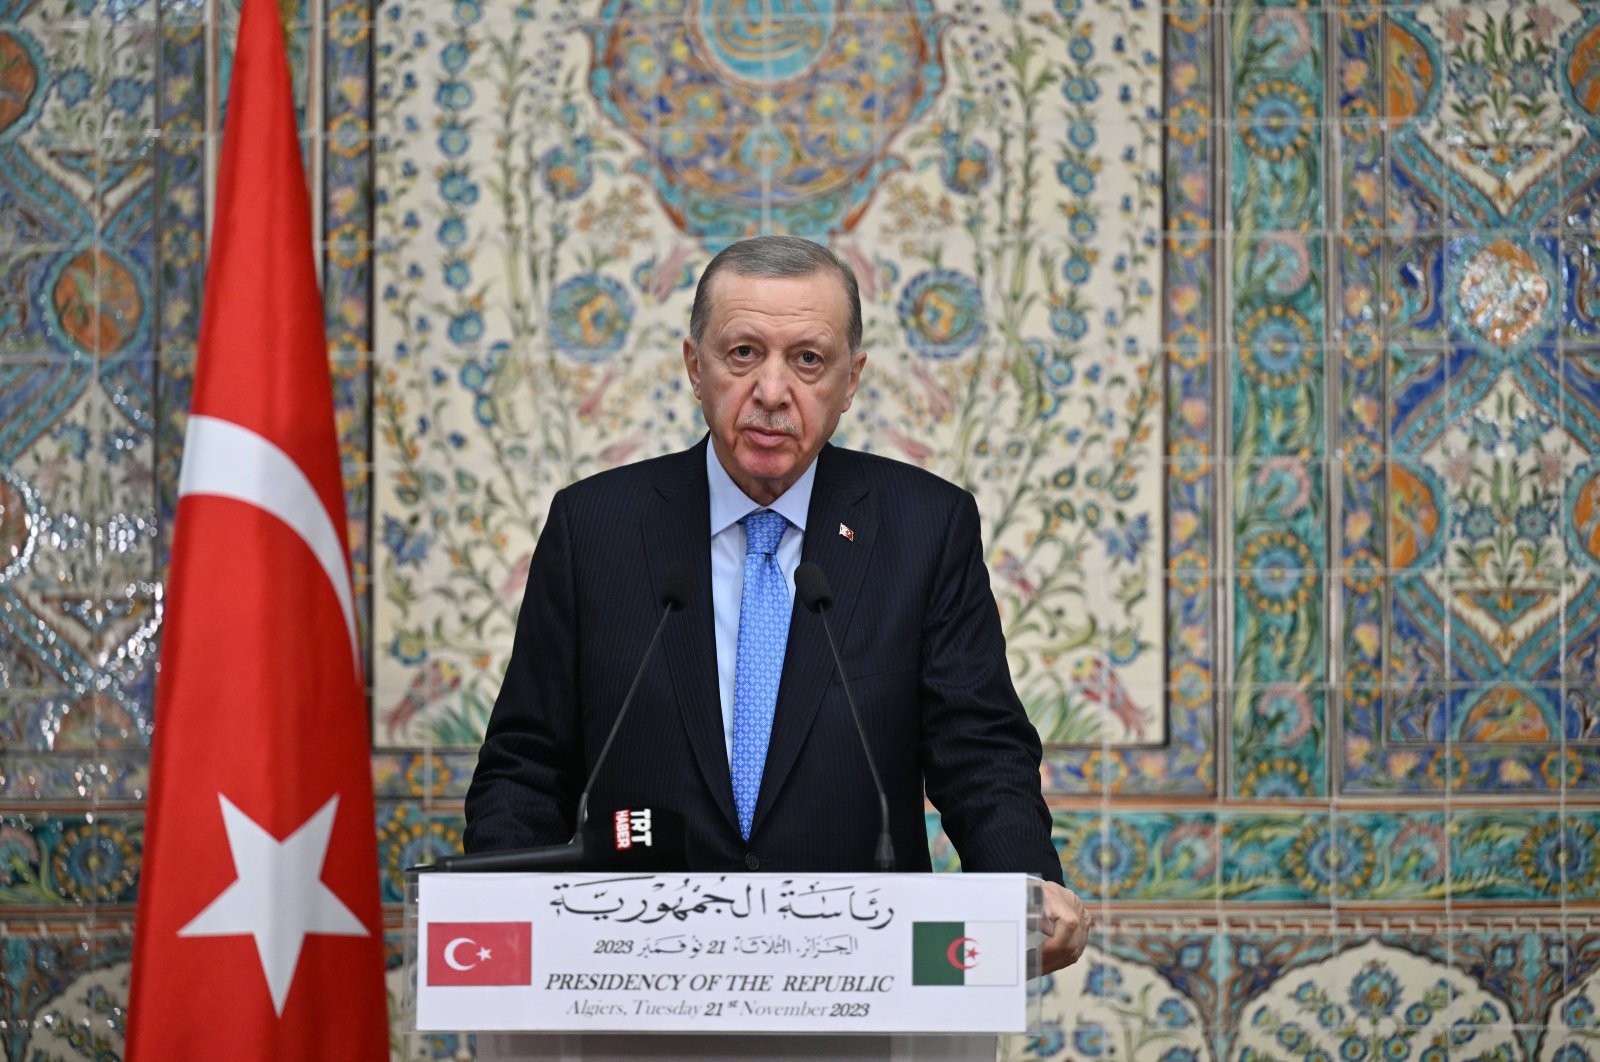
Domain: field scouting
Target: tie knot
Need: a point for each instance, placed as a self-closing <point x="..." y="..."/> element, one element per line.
<point x="763" y="531"/>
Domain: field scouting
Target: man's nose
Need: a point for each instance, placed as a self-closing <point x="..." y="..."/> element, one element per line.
<point x="772" y="383"/>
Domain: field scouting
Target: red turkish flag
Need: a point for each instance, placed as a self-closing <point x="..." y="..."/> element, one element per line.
<point x="480" y="953"/>
<point x="259" y="931"/>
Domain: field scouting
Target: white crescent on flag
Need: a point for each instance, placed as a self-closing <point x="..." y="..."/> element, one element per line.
<point x="227" y="460"/>
<point x="450" y="953"/>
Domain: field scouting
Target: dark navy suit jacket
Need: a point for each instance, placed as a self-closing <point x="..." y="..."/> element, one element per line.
<point x="918" y="630"/>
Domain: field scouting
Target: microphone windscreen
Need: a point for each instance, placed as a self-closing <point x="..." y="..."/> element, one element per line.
<point x="643" y="839"/>
<point x="812" y="586"/>
<point x="677" y="585"/>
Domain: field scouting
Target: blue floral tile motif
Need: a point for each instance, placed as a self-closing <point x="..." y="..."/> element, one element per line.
<point x="1089" y="1039"/>
<point x="69" y="860"/>
<point x="942" y="313"/>
<point x="1574" y="1032"/>
<point x="409" y="834"/>
<point x="590" y="315"/>
<point x="434" y="775"/>
<point x="1108" y="861"/>
<point x="1374" y="993"/>
<point x="1375" y="1003"/>
<point x="567" y="169"/>
<point x="966" y="167"/>
<point x="1325" y="859"/>
<point x="1560" y="857"/>
<point x="1110" y="1006"/>
<point x="698" y="94"/>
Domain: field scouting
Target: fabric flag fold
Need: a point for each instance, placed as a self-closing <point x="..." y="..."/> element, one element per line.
<point x="259" y="930"/>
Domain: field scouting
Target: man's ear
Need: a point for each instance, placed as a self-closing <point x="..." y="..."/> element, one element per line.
<point x="857" y="363"/>
<point x="691" y="362"/>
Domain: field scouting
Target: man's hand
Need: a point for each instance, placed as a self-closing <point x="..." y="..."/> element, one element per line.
<point x="1065" y="921"/>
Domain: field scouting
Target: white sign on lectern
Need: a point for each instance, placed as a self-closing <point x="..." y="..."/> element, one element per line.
<point x="705" y="953"/>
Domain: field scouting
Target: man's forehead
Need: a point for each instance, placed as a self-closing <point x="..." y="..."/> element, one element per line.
<point x="737" y="306"/>
<point x="738" y="288"/>
<point x="729" y="276"/>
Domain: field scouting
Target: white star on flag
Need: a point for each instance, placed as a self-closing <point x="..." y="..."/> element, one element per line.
<point x="279" y="898"/>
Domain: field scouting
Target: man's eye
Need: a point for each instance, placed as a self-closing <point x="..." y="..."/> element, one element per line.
<point x="810" y="357"/>
<point x="744" y="350"/>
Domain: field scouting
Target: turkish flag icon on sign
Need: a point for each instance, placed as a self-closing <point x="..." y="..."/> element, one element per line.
<point x="480" y="953"/>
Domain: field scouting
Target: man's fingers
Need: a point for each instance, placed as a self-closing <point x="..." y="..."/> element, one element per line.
<point x="1067" y="922"/>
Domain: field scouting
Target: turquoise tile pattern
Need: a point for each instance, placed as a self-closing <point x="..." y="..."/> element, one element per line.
<point x="1277" y="62"/>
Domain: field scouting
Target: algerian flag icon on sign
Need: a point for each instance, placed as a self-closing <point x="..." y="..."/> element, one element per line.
<point x="964" y="953"/>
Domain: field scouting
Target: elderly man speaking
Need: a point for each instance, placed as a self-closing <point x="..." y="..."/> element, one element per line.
<point x="741" y="724"/>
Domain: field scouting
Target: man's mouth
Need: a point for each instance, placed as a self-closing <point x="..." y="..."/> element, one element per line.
<point x="766" y="436"/>
<point x="768" y="432"/>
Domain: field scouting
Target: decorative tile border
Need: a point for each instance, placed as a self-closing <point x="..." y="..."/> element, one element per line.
<point x="347" y="186"/>
<point x="1276" y="317"/>
<point x="56" y="859"/>
<point x="94" y="775"/>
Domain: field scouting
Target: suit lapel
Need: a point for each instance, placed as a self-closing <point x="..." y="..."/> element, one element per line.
<point x="676" y="527"/>
<point x="840" y="502"/>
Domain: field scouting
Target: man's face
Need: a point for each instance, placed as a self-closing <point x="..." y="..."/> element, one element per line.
<point x="773" y="373"/>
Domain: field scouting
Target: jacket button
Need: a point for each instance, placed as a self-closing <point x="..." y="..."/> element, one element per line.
<point x="752" y="861"/>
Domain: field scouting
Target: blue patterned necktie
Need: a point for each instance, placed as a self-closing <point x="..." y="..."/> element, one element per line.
<point x="763" y="634"/>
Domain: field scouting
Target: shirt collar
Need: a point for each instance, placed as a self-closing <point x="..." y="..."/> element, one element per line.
<point x="730" y="504"/>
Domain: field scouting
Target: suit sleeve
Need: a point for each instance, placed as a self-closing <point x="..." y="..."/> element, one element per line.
<point x="980" y="752"/>
<point x="530" y="768"/>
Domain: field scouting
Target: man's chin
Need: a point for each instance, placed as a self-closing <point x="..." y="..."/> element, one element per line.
<point x="767" y="473"/>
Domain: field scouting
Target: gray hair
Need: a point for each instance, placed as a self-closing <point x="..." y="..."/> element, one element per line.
<point x="775" y="256"/>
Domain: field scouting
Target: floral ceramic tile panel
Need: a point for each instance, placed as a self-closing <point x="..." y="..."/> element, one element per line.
<point x="1501" y="100"/>
<point x="80" y="605"/>
<point x="1109" y="1005"/>
<point x="552" y="178"/>
<point x="1377" y="997"/>
<point x="1481" y="513"/>
<point x="79" y="590"/>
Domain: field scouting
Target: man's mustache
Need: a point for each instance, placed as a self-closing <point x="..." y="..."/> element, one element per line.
<point x="770" y="422"/>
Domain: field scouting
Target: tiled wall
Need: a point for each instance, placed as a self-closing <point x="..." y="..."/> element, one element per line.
<point x="1266" y="335"/>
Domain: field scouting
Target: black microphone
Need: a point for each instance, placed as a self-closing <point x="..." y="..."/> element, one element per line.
<point x="815" y="594"/>
<point x="677" y="586"/>
<point x="601" y="847"/>
<point x="632" y="839"/>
